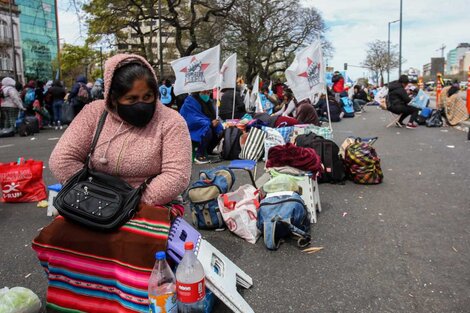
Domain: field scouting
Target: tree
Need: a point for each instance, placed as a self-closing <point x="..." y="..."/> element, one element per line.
<point x="191" y="21"/>
<point x="76" y="60"/>
<point x="112" y="21"/>
<point x="377" y="58"/>
<point x="266" y="33"/>
<point x="185" y="21"/>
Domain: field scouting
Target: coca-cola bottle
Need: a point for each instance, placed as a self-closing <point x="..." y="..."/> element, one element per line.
<point x="162" y="287"/>
<point x="190" y="282"/>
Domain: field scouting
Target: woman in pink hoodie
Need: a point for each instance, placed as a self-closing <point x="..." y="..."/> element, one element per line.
<point x="91" y="271"/>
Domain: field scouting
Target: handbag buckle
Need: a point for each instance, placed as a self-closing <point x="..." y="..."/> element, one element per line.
<point x="86" y="190"/>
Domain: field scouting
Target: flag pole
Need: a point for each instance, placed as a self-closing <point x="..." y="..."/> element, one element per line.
<point x="234" y="96"/>
<point x="328" y="107"/>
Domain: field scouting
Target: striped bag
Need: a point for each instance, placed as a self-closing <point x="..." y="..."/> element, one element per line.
<point x="286" y="132"/>
<point x="306" y="129"/>
<point x="254" y="146"/>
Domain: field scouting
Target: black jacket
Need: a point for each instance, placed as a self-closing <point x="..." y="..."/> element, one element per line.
<point x="56" y="92"/>
<point x="361" y="95"/>
<point x="397" y="95"/>
<point x="226" y="105"/>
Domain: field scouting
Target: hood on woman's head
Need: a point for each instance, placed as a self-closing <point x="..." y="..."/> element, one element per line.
<point x="8" y="81"/>
<point x="117" y="62"/>
<point x="81" y="79"/>
<point x="57" y="83"/>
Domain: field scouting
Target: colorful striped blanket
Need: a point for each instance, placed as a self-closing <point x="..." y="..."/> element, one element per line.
<point x="90" y="271"/>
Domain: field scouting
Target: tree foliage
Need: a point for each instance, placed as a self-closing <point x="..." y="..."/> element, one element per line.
<point x="77" y="60"/>
<point x="378" y="60"/>
<point x="266" y="33"/>
<point x="185" y="21"/>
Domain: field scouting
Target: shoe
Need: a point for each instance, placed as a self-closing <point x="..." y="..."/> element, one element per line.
<point x="411" y="126"/>
<point x="201" y="160"/>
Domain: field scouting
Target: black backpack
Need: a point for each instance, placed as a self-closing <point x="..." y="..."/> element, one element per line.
<point x="329" y="154"/>
<point x="231" y="148"/>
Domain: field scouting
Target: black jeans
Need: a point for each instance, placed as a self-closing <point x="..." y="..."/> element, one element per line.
<point x="208" y="143"/>
<point x="405" y="110"/>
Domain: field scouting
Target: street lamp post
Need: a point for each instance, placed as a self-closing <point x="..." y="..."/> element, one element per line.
<point x="101" y="61"/>
<point x="388" y="51"/>
<point x="401" y="24"/>
<point x="13" y="48"/>
<point x="160" y="37"/>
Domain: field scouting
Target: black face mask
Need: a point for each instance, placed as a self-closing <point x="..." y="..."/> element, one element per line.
<point x="138" y="114"/>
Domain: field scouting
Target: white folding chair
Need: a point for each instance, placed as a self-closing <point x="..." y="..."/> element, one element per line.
<point x="394" y="118"/>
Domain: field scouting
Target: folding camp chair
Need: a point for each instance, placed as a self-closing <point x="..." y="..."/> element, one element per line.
<point x="247" y="165"/>
<point x="394" y="118"/>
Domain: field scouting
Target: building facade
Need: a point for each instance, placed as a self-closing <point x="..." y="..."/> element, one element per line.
<point x="454" y="57"/>
<point x="39" y="37"/>
<point x="133" y="43"/>
<point x="10" y="47"/>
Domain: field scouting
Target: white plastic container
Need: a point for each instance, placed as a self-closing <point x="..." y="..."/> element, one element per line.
<point x="162" y="286"/>
<point x="190" y="282"/>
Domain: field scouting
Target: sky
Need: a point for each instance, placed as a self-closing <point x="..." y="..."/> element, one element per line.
<point x="427" y="24"/>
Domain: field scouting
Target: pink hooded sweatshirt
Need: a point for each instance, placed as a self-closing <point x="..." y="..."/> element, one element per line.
<point x="161" y="148"/>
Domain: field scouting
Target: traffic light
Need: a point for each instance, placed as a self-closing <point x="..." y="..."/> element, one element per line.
<point x="345" y="66"/>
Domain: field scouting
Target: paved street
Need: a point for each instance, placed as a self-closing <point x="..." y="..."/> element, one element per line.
<point x="402" y="246"/>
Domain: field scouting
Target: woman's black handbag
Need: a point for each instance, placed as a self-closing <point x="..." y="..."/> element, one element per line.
<point x="98" y="200"/>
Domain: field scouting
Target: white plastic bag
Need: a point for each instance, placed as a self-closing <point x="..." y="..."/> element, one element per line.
<point x="19" y="300"/>
<point x="273" y="138"/>
<point x="240" y="211"/>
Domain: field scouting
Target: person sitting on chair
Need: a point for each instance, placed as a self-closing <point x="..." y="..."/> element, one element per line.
<point x="204" y="127"/>
<point x="359" y="98"/>
<point x="398" y="102"/>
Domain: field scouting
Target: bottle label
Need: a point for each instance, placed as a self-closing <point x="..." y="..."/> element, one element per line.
<point x="163" y="303"/>
<point x="189" y="293"/>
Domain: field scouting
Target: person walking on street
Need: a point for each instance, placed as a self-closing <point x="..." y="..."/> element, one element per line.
<point x="57" y="95"/>
<point x="79" y="95"/>
<point x="11" y="104"/>
<point x="398" y="102"/>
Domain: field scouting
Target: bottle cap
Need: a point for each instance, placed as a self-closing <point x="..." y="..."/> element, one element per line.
<point x="160" y="255"/>
<point x="189" y="245"/>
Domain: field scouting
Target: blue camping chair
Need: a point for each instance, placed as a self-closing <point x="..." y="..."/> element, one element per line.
<point x="246" y="165"/>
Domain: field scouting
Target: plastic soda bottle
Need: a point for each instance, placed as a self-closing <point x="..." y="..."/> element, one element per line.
<point x="190" y="282"/>
<point x="162" y="287"/>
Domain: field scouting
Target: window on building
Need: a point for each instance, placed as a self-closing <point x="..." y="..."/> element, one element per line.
<point x="5" y="62"/>
<point x="4" y="30"/>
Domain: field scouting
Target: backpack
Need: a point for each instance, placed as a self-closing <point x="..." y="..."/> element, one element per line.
<point x="348" y="107"/>
<point x="231" y="147"/>
<point x="83" y="95"/>
<point x="203" y="197"/>
<point x="329" y="153"/>
<point x="362" y="163"/>
<point x="281" y="215"/>
<point x="30" y="97"/>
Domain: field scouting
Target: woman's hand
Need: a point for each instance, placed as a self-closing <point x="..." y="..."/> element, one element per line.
<point x="215" y="123"/>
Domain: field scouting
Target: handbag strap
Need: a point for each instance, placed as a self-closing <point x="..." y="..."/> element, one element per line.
<point x="99" y="128"/>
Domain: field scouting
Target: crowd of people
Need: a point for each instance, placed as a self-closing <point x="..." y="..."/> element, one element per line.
<point x="45" y="100"/>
